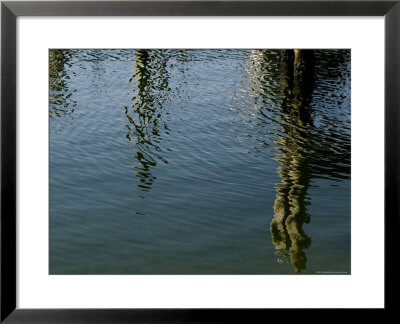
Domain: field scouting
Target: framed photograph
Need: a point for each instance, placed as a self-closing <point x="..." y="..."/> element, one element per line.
<point x="194" y="161"/>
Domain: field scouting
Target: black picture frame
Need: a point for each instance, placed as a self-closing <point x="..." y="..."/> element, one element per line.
<point x="10" y="10"/>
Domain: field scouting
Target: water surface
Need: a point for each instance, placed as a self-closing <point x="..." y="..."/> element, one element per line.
<point x="198" y="162"/>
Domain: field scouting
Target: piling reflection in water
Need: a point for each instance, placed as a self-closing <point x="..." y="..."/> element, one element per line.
<point x="308" y="144"/>
<point x="145" y="123"/>
<point x="61" y="102"/>
<point x="290" y="212"/>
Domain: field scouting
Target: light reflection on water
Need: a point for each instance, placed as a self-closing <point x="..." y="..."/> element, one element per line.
<point x="180" y="159"/>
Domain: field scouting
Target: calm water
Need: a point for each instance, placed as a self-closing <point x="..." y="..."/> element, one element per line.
<point x="198" y="162"/>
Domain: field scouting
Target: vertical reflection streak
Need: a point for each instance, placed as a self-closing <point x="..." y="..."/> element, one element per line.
<point x="290" y="212"/>
<point x="291" y="139"/>
<point x="145" y="125"/>
<point x="60" y="101"/>
<point x="309" y="138"/>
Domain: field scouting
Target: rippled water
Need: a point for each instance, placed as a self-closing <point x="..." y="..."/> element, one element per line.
<point x="198" y="162"/>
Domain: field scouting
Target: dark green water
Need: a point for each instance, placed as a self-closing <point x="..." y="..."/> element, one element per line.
<point x="198" y="162"/>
